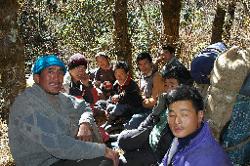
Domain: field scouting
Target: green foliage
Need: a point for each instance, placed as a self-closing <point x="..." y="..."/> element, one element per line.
<point x="85" y="26"/>
<point x="144" y="26"/>
<point x="70" y="26"/>
<point x="35" y="31"/>
<point x="195" y="27"/>
<point x="64" y="28"/>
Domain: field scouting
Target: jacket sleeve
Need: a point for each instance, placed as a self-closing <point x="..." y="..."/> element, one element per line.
<point x="131" y="96"/>
<point x="34" y="125"/>
<point x="81" y="109"/>
<point x="137" y="138"/>
<point x="129" y="140"/>
<point x="78" y="108"/>
<point x="206" y="158"/>
<point x="158" y="85"/>
<point x="150" y="121"/>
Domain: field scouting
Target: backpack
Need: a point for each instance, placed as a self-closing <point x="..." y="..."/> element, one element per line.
<point x="202" y="64"/>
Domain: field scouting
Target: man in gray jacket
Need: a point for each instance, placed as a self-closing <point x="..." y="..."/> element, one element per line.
<point x="47" y="127"/>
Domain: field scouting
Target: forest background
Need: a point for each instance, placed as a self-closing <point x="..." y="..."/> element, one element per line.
<point x="121" y="28"/>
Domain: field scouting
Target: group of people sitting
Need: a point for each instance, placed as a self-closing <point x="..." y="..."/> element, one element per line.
<point x="74" y="117"/>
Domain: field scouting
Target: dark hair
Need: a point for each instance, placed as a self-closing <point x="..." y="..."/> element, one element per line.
<point x="178" y="73"/>
<point x="121" y="65"/>
<point x="184" y="92"/>
<point x="144" y="55"/>
<point x="77" y="60"/>
<point x="168" y="48"/>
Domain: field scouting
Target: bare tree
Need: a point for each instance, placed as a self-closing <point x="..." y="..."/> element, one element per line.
<point x="218" y="23"/>
<point x="170" y="10"/>
<point x="121" y="37"/>
<point x="12" y="77"/>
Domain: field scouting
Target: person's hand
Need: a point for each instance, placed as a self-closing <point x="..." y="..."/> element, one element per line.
<point x="107" y="85"/>
<point x="115" y="98"/>
<point x="145" y="101"/>
<point x="161" y="104"/>
<point x="84" y="133"/>
<point x="113" y="155"/>
<point x="85" y="80"/>
<point x="149" y="102"/>
<point x="107" y="114"/>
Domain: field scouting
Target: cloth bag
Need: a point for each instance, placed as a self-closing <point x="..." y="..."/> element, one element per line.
<point x="229" y="72"/>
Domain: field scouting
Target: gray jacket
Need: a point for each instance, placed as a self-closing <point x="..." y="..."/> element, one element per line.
<point x="42" y="128"/>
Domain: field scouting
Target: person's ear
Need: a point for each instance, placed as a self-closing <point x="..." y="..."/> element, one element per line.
<point x="200" y="116"/>
<point x="36" y="78"/>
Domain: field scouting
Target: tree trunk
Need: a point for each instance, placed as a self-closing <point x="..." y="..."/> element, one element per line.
<point x="218" y="23"/>
<point x="229" y="21"/>
<point x="170" y="10"/>
<point x="121" y="38"/>
<point x="12" y="77"/>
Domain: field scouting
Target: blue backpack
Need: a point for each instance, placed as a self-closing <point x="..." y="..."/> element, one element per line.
<point x="203" y="62"/>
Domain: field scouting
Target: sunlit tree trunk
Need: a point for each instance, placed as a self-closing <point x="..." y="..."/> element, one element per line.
<point x="170" y="10"/>
<point x="218" y="23"/>
<point x="12" y="77"/>
<point x="121" y="37"/>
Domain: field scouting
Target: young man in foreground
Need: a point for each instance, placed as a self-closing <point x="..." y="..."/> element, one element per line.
<point x="193" y="143"/>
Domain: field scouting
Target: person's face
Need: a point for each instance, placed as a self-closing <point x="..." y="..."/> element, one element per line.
<point x="145" y="66"/>
<point x="170" y="83"/>
<point x="183" y="119"/>
<point x="78" y="73"/>
<point x="102" y="62"/>
<point x="165" y="55"/>
<point x="50" y="79"/>
<point x="121" y="76"/>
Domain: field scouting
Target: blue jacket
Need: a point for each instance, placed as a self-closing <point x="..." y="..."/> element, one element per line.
<point x="202" y="150"/>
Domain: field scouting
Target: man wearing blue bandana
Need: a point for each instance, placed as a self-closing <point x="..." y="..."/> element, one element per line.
<point x="47" y="127"/>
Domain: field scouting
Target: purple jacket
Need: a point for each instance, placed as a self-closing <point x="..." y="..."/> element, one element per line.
<point x="203" y="150"/>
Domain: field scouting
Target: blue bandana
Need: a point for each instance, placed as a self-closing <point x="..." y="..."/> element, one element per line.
<point x="46" y="61"/>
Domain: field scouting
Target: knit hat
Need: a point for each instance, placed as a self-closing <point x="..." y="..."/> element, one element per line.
<point x="77" y="60"/>
<point x="46" y="61"/>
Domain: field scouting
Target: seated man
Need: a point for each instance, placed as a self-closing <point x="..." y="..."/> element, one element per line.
<point x="166" y="53"/>
<point x="126" y="99"/>
<point x="193" y="143"/>
<point x="143" y="146"/>
<point x="47" y="127"/>
<point x="169" y="60"/>
<point x="151" y="82"/>
<point x="77" y="82"/>
<point x="104" y="76"/>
